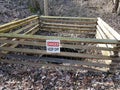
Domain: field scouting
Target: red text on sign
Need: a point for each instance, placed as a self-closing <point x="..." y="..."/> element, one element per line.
<point x="55" y="44"/>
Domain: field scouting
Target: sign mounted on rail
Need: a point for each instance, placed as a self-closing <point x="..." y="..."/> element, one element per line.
<point x="53" y="46"/>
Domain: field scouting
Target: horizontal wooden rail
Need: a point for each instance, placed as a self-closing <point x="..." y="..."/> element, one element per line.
<point x="69" y="25"/>
<point x="69" y="39"/>
<point x="74" y="33"/>
<point x="68" y="21"/>
<point x="35" y="43"/>
<point x="40" y="64"/>
<point x="77" y="18"/>
<point x="50" y="59"/>
<point x="18" y="21"/>
<point x="68" y="28"/>
<point x="66" y="54"/>
<point x="8" y="28"/>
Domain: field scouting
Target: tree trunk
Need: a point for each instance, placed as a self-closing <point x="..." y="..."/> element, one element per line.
<point x="113" y="1"/>
<point x="116" y="6"/>
<point x="46" y="7"/>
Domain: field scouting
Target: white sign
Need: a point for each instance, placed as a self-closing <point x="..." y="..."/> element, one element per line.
<point x="53" y="46"/>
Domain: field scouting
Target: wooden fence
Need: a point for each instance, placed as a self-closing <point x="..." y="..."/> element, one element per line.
<point x="86" y="42"/>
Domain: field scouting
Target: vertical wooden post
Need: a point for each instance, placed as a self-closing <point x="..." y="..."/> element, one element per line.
<point x="46" y="7"/>
<point x="39" y="22"/>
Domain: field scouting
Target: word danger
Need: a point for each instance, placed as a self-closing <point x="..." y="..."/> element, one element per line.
<point x="53" y="46"/>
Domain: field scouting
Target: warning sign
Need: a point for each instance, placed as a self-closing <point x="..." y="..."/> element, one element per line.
<point x="53" y="46"/>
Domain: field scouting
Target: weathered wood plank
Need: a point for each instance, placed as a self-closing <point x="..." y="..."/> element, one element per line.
<point x="5" y="29"/>
<point x="38" y="37"/>
<point x="66" y="54"/>
<point x="35" y="43"/>
<point x="77" y="18"/>
<point x="20" y="31"/>
<point x="31" y="31"/>
<point x="40" y="64"/>
<point x="68" y="21"/>
<point x="18" y="21"/>
<point x="50" y="59"/>
<point x="69" y="25"/>
<point x="24" y="28"/>
<point x="68" y="28"/>
<point x="34" y="31"/>
<point x="105" y="31"/>
<point x="101" y="35"/>
<point x="69" y="32"/>
<point x="33" y="28"/>
<point x="111" y="30"/>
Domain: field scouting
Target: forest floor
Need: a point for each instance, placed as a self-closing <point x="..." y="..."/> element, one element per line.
<point x="21" y="77"/>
